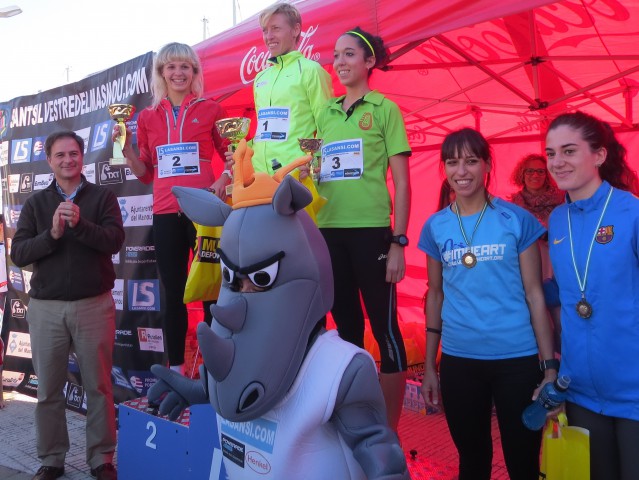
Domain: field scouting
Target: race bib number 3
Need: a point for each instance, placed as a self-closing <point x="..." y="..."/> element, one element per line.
<point x="272" y="124"/>
<point x="343" y="160"/>
<point x="178" y="159"/>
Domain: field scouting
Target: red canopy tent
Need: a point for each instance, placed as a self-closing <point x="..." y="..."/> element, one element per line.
<point x="504" y="68"/>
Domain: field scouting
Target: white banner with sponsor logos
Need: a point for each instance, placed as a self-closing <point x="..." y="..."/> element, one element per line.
<point x="25" y="122"/>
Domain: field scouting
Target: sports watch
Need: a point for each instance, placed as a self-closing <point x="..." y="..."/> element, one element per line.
<point x="552" y="363"/>
<point x="401" y="240"/>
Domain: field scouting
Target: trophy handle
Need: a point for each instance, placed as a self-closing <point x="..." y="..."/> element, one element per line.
<point x="121" y="139"/>
<point x="118" y="145"/>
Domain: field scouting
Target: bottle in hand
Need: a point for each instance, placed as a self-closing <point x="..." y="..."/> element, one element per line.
<point x="551" y="396"/>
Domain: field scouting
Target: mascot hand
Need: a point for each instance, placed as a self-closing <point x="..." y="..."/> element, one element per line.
<point x="181" y="392"/>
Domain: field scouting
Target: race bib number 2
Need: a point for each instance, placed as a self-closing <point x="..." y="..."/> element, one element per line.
<point x="343" y="160"/>
<point x="272" y="124"/>
<point x="178" y="159"/>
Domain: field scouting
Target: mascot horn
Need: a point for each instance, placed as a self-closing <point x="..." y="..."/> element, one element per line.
<point x="269" y="363"/>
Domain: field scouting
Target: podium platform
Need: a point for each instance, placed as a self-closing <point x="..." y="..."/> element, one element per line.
<point x="151" y="446"/>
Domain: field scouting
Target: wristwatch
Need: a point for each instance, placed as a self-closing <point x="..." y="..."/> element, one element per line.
<point x="229" y="173"/>
<point x="401" y="240"/>
<point x="552" y="363"/>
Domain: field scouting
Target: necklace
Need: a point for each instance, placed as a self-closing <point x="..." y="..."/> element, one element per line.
<point x="584" y="309"/>
<point x="469" y="260"/>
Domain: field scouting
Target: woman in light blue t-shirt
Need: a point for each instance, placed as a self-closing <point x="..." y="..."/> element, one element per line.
<point x="486" y="304"/>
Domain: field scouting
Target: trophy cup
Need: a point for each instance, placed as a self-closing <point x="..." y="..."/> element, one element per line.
<point x="309" y="146"/>
<point x="121" y="113"/>
<point x="235" y="129"/>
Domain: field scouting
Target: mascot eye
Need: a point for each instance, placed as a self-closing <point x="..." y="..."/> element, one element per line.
<point x="266" y="276"/>
<point x="227" y="273"/>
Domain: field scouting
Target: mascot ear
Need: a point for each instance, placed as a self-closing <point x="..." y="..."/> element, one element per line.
<point x="202" y="206"/>
<point x="291" y="196"/>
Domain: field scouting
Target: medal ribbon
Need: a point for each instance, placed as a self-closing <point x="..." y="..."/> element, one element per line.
<point x="582" y="284"/>
<point x="461" y="227"/>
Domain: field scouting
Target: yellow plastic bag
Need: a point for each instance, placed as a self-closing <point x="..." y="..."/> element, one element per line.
<point x="565" y="451"/>
<point x="205" y="276"/>
<point x="318" y="201"/>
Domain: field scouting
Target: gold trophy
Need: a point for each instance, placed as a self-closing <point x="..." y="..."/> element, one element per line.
<point x="235" y="129"/>
<point x="310" y="146"/>
<point x="121" y="113"/>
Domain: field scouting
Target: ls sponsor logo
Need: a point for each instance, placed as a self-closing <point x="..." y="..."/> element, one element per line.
<point x="21" y="150"/>
<point x="101" y="135"/>
<point x="144" y="295"/>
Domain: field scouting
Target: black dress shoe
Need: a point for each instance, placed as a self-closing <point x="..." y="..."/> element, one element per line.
<point x="48" y="473"/>
<point x="106" y="471"/>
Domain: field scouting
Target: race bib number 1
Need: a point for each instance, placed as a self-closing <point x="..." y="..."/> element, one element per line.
<point x="272" y="124"/>
<point x="343" y="160"/>
<point x="178" y="159"/>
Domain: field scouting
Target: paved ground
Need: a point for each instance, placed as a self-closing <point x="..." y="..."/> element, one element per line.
<point x="18" y="458"/>
<point x="434" y="456"/>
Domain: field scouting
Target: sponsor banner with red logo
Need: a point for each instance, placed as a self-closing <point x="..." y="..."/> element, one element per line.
<point x="232" y="59"/>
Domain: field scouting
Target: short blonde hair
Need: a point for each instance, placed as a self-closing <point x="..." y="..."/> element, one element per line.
<point x="175" y="52"/>
<point x="292" y="14"/>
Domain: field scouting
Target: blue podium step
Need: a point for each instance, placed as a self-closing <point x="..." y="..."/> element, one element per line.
<point x="150" y="446"/>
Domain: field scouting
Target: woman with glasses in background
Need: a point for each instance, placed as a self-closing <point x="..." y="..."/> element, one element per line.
<point x="539" y="195"/>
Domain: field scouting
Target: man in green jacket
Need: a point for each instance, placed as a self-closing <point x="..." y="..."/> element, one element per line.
<point x="290" y="94"/>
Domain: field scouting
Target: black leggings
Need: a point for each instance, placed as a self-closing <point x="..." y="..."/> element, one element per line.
<point x="469" y="387"/>
<point x="174" y="239"/>
<point x="614" y="443"/>
<point x="358" y="257"/>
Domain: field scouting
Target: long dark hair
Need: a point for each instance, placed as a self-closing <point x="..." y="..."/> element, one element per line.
<point x="615" y="170"/>
<point x="375" y="43"/>
<point x="455" y="143"/>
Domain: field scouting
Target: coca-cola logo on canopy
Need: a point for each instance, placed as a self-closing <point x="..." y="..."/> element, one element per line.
<point x="254" y="61"/>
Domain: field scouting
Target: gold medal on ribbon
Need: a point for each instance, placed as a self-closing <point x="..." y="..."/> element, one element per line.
<point x="469" y="260"/>
<point x="584" y="309"/>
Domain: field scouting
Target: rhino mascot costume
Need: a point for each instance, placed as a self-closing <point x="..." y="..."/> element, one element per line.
<point x="302" y="402"/>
